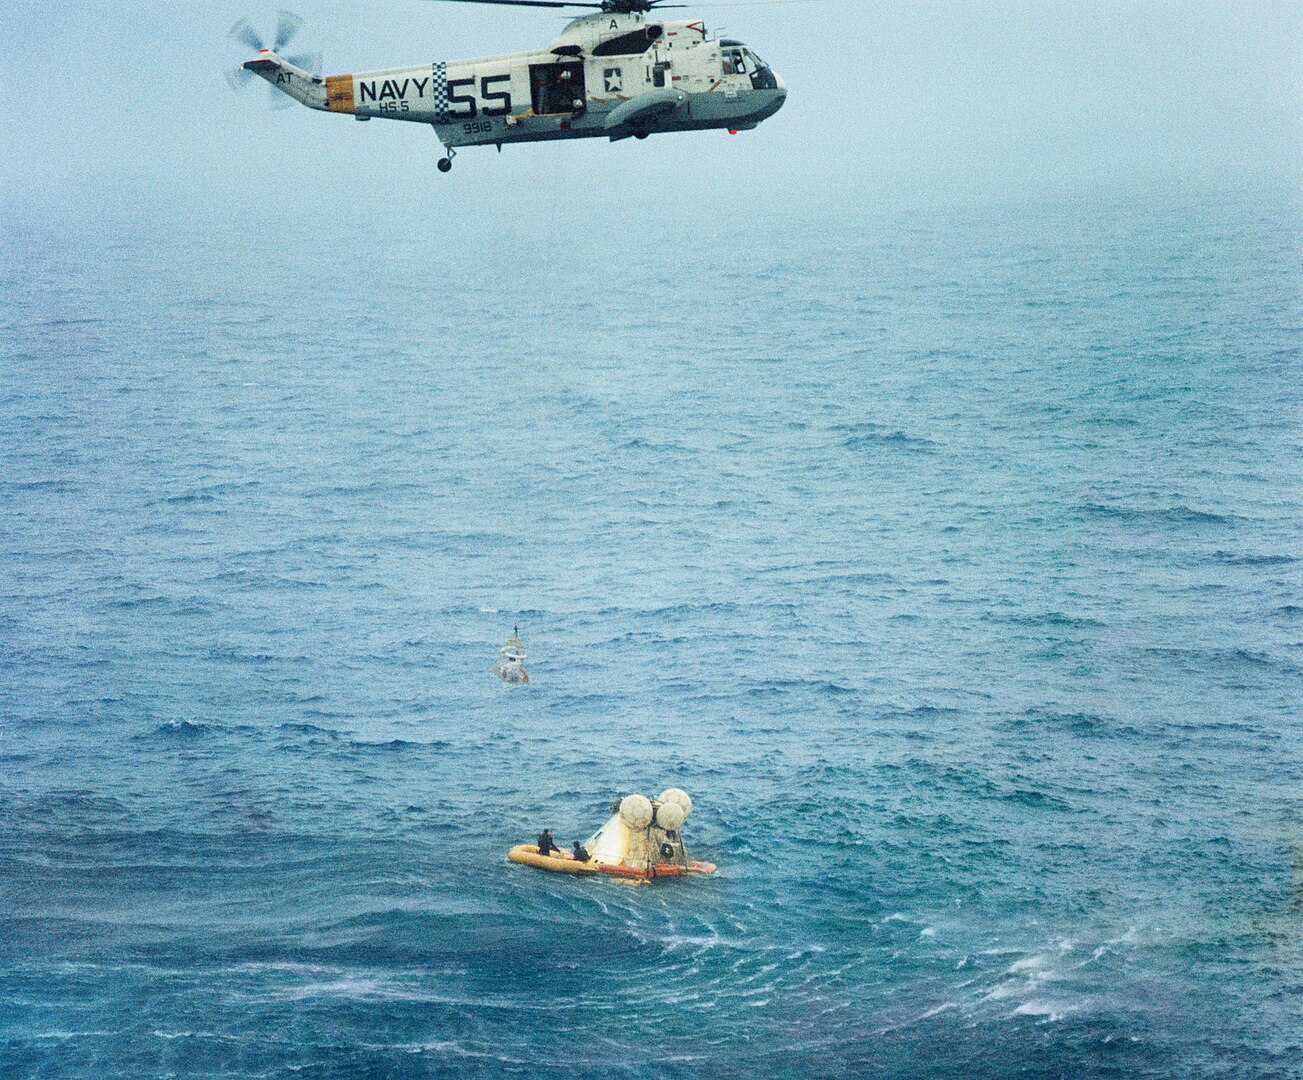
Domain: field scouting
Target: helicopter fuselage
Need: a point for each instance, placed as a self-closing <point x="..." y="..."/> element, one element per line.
<point x="609" y="75"/>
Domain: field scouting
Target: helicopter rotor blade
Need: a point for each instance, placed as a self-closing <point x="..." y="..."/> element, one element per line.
<point x="246" y="35"/>
<point x="287" y="26"/>
<point x="310" y="62"/>
<point x="276" y="101"/>
<point x="239" y="78"/>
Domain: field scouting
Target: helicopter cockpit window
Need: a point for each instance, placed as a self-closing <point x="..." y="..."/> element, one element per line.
<point x="634" y="44"/>
<point x="734" y="62"/>
<point x="762" y="78"/>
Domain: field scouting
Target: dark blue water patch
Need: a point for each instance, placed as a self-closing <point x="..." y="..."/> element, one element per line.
<point x="925" y="713"/>
<point x="1038" y="800"/>
<point x="1049" y="619"/>
<point x="396" y="746"/>
<point x="1163" y="517"/>
<point x="80" y="806"/>
<point x="1221" y="661"/>
<point x="40" y="487"/>
<point x="303" y="728"/>
<point x="1086" y="725"/>
<point x="185" y="729"/>
<point x="172" y="607"/>
<point x="1227" y="558"/>
<point x="187" y="500"/>
<point x="250" y="734"/>
<point x="890" y="440"/>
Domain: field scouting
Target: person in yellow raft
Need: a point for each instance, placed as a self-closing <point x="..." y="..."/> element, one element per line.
<point x="547" y="845"/>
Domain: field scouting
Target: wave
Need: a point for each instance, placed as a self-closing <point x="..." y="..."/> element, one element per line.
<point x="187" y="729"/>
<point x="1158" y="516"/>
<point x="192" y="729"/>
<point x="170" y="604"/>
<point x="640" y="443"/>
<point x="397" y="745"/>
<point x="923" y="712"/>
<point x="782" y="687"/>
<point x="1049" y="618"/>
<point x="64" y="320"/>
<point x="308" y="729"/>
<point x="1227" y="558"/>
<point x="252" y="579"/>
<point x="185" y="500"/>
<point x="1079" y="723"/>
<point x="895" y="440"/>
<point x="1039" y="800"/>
<point x="1203" y="658"/>
<point x="47" y="487"/>
<point x="79" y="801"/>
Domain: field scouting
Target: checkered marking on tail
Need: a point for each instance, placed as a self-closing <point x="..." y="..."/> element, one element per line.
<point x="439" y="92"/>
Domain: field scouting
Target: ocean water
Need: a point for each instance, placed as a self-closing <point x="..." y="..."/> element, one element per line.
<point x="948" y="555"/>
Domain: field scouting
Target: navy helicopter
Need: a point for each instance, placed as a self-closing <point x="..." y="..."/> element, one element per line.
<point x="620" y="72"/>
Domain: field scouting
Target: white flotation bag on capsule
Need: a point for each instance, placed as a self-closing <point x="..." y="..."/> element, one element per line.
<point x="669" y="816"/>
<point x="636" y="811"/>
<point x="679" y="796"/>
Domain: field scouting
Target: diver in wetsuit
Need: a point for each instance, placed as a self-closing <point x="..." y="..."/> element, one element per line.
<point x="581" y="852"/>
<point x="545" y="843"/>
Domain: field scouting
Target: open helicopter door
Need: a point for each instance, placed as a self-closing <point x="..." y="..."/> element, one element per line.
<point x="554" y="88"/>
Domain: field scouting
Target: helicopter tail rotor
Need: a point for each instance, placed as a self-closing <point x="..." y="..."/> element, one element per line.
<point x="287" y="29"/>
<point x="288" y="26"/>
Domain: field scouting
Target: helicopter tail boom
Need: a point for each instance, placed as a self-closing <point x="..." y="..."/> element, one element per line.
<point x="302" y="86"/>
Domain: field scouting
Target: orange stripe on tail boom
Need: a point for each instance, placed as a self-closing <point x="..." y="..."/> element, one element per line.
<point x="339" y="93"/>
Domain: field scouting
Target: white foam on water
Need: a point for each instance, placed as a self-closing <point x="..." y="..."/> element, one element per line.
<point x="1052" y="1012"/>
<point x="446" y="1047"/>
<point x="936" y="1010"/>
<point x="357" y="988"/>
<point x="195" y="1035"/>
<point x="65" y="1035"/>
<point x="1101" y="951"/>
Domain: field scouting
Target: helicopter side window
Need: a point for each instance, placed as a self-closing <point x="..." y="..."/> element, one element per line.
<point x="734" y="63"/>
<point x="634" y="44"/>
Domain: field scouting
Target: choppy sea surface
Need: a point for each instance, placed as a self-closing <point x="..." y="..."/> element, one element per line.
<point x="949" y="557"/>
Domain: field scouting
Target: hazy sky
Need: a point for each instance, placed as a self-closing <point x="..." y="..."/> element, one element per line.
<point x="125" y="101"/>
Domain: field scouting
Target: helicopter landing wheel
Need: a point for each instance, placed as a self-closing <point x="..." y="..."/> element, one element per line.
<point x="445" y="164"/>
<point x="641" y="134"/>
